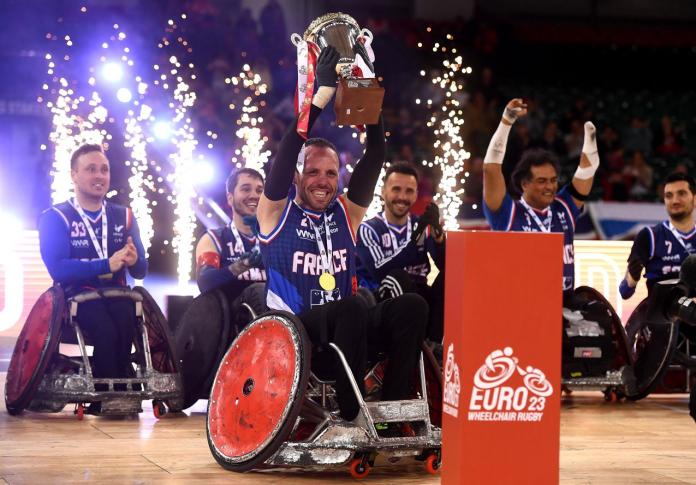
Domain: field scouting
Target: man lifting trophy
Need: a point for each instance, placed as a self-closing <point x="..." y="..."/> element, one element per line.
<point x="358" y="96"/>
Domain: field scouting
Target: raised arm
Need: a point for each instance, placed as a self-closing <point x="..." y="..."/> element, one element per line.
<point x="361" y="188"/>
<point x="275" y="192"/>
<point x="589" y="162"/>
<point x="493" y="179"/>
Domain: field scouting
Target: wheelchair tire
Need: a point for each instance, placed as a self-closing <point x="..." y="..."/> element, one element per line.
<point x="200" y="340"/>
<point x="160" y="339"/>
<point x="653" y="346"/>
<point x="35" y="348"/>
<point x="258" y="391"/>
<point x="253" y="296"/>
<point x="159" y="335"/>
<point x="621" y="341"/>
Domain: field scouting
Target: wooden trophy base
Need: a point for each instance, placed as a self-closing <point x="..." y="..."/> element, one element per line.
<point x="358" y="101"/>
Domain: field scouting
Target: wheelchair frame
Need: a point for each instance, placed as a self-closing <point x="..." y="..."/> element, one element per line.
<point x="58" y="388"/>
<point x="332" y="441"/>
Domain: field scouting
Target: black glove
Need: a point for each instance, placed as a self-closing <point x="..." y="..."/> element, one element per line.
<point x="252" y="259"/>
<point x="359" y="48"/>
<point x="326" y="67"/>
<point x="430" y="217"/>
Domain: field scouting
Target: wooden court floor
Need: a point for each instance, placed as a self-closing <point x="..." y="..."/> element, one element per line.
<point x="649" y="442"/>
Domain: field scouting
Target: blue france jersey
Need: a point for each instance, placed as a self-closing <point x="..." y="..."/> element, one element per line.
<point x="513" y="216"/>
<point x="293" y="264"/>
<point x="119" y="221"/>
<point x="665" y="252"/>
<point x="376" y="250"/>
<point x="230" y="251"/>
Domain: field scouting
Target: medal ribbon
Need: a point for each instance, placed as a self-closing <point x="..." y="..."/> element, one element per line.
<point x="102" y="251"/>
<point x="239" y="243"/>
<point x="546" y="225"/>
<point x="324" y="251"/>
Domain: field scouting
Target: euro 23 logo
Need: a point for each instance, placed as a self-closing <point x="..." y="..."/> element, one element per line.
<point x="494" y="397"/>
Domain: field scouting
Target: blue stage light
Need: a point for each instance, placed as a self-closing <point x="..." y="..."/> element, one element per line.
<point x="112" y="72"/>
<point x="124" y="95"/>
<point x="162" y="130"/>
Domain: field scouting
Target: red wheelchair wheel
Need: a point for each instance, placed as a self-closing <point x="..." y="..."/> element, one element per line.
<point x="432" y="464"/>
<point x="37" y="343"/>
<point x="258" y="390"/>
<point x="359" y="468"/>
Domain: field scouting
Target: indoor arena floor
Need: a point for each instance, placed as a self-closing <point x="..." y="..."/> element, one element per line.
<point x="651" y="441"/>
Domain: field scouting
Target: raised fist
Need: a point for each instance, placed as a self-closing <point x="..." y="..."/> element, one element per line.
<point x="515" y="109"/>
<point x="326" y="67"/>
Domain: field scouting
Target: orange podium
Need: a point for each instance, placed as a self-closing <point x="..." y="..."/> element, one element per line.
<point x="502" y="358"/>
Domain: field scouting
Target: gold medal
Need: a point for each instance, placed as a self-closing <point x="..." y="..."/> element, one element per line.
<point x="327" y="281"/>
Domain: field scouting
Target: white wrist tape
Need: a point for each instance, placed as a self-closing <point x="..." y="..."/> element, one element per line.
<point x="511" y="114"/>
<point x="323" y="96"/>
<point x="589" y="148"/>
<point x="496" y="148"/>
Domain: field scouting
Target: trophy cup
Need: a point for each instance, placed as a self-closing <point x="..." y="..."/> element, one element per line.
<point x="359" y="96"/>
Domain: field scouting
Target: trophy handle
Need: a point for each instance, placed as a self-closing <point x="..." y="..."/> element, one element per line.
<point x="295" y="39"/>
<point x="368" y="35"/>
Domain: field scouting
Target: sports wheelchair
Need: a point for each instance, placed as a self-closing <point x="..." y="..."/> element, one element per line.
<point x="268" y="410"/>
<point x="623" y="362"/>
<point x="40" y="378"/>
<point x="668" y="299"/>
<point x="205" y="331"/>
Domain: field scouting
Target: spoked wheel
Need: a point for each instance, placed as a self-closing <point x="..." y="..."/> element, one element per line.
<point x="653" y="346"/>
<point x="160" y="340"/>
<point x="200" y="340"/>
<point x="258" y="391"/>
<point x="35" y="347"/>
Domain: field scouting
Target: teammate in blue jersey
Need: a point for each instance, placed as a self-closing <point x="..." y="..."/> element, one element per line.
<point x="662" y="248"/>
<point x="229" y="256"/>
<point x="393" y="246"/>
<point x="542" y="207"/>
<point x="89" y="243"/>
<point x="308" y="246"/>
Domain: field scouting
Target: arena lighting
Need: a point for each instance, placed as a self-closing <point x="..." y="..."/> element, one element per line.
<point x="12" y="229"/>
<point x="112" y="72"/>
<point x="12" y="269"/>
<point x="204" y="172"/>
<point x="124" y="95"/>
<point x="162" y="130"/>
